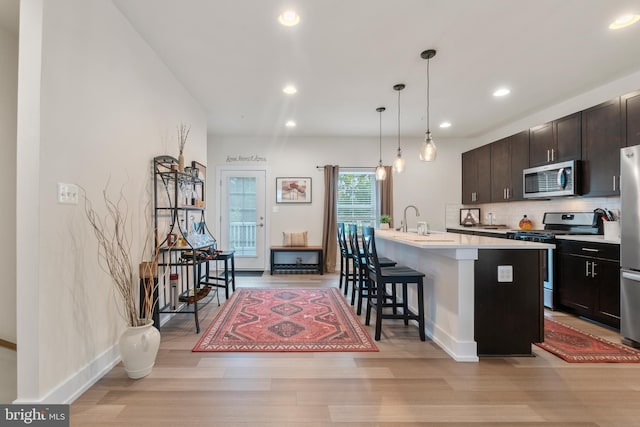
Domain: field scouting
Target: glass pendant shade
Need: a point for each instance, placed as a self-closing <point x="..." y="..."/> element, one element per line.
<point x="398" y="163"/>
<point x="381" y="172"/>
<point x="428" y="151"/>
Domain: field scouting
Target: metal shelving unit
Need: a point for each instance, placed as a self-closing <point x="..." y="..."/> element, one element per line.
<point x="184" y="241"/>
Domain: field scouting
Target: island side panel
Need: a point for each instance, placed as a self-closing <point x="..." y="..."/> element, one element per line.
<point x="509" y="312"/>
<point x="449" y="293"/>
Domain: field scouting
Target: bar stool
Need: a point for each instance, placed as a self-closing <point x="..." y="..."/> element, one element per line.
<point x="224" y="278"/>
<point x="346" y="260"/>
<point x="391" y="275"/>
<point x="360" y="269"/>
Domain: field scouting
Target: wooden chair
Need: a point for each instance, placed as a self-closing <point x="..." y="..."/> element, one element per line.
<point x="380" y="277"/>
<point x="346" y="260"/>
<point x="360" y="269"/>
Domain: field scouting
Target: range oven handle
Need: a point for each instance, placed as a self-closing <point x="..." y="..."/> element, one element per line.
<point x="562" y="178"/>
<point x="631" y="276"/>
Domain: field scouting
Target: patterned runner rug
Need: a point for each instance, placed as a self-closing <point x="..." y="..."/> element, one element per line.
<point x="575" y="346"/>
<point x="267" y="320"/>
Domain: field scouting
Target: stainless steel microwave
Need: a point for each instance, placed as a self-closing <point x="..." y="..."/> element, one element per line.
<point x="554" y="180"/>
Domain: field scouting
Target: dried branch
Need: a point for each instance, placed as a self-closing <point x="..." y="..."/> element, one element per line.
<point x="114" y="257"/>
<point x="183" y="133"/>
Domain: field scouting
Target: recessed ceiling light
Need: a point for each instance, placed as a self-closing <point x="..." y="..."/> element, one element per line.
<point x="624" y="21"/>
<point x="290" y="124"/>
<point x="445" y="125"/>
<point x="289" y="18"/>
<point x="501" y="92"/>
<point x="290" y="89"/>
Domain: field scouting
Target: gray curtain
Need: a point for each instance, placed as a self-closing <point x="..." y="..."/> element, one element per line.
<point x="386" y="195"/>
<point x="330" y="221"/>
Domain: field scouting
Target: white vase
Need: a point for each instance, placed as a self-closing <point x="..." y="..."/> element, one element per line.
<point x="138" y="349"/>
<point x="384" y="226"/>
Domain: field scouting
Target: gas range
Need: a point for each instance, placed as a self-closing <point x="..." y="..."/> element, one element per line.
<point x="561" y="223"/>
<point x="555" y="224"/>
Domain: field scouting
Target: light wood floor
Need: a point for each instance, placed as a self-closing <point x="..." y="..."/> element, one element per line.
<point x="407" y="383"/>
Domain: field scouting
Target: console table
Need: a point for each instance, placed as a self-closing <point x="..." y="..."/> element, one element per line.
<point x="298" y="266"/>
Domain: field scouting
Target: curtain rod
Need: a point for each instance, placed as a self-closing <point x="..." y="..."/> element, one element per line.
<point x="350" y="167"/>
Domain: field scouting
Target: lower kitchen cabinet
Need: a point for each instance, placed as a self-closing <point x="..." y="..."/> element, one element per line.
<point x="508" y="313"/>
<point x="588" y="280"/>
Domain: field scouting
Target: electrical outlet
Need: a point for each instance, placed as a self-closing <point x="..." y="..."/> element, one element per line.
<point x="505" y="273"/>
<point x="67" y="194"/>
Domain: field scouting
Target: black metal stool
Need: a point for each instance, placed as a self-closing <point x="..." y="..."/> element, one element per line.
<point x="224" y="279"/>
<point x="393" y="276"/>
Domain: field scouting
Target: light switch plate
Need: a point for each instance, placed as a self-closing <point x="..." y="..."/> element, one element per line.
<point x="505" y="273"/>
<point x="67" y="194"/>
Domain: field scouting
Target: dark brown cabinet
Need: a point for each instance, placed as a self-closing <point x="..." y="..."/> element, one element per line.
<point x="588" y="280"/>
<point x="508" y="315"/>
<point x="556" y="141"/>
<point x="476" y="175"/>
<point x="601" y="142"/>
<point x="509" y="156"/>
<point x="631" y="117"/>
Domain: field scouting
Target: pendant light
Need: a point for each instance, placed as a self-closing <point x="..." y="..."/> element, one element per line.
<point x="398" y="163"/>
<point x="381" y="172"/>
<point x="428" y="150"/>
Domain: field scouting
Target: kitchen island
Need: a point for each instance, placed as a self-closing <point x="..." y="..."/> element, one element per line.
<point x="483" y="295"/>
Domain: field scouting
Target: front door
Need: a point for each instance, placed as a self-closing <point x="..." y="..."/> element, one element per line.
<point x="242" y="216"/>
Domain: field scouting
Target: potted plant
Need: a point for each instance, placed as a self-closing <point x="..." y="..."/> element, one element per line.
<point x="385" y="221"/>
<point x="139" y="344"/>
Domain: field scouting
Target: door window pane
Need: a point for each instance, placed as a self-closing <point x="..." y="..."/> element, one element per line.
<point x="242" y="215"/>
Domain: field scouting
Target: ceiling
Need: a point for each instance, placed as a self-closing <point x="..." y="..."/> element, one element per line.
<point x="345" y="56"/>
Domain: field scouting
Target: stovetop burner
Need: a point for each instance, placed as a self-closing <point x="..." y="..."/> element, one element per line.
<point x="560" y="223"/>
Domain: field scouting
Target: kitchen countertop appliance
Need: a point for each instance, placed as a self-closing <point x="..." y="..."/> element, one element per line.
<point x="554" y="180"/>
<point x="630" y="246"/>
<point x="558" y="223"/>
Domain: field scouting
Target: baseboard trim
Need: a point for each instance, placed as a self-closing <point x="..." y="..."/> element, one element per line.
<point x="81" y="381"/>
<point x="8" y="344"/>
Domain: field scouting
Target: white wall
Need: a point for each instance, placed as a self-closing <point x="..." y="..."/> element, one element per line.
<point x="429" y="186"/>
<point x="8" y="123"/>
<point x="107" y="106"/>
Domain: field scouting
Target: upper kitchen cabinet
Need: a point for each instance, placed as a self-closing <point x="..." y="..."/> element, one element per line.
<point x="631" y="117"/>
<point x="556" y="141"/>
<point x="509" y="156"/>
<point x="476" y="175"/>
<point x="602" y="138"/>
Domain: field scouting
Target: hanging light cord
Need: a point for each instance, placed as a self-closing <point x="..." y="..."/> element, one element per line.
<point x="381" y="137"/>
<point x="428" y="127"/>
<point x="398" y="120"/>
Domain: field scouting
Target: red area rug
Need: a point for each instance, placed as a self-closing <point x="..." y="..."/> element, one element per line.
<point x="271" y="320"/>
<point x="575" y="346"/>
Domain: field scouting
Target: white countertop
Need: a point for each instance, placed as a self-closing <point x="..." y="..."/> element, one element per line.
<point x="482" y="229"/>
<point x="441" y="240"/>
<point x="598" y="238"/>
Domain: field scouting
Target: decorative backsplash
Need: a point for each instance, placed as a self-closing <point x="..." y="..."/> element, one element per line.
<point x="511" y="213"/>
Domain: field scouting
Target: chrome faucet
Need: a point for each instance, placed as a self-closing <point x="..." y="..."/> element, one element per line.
<point x="403" y="226"/>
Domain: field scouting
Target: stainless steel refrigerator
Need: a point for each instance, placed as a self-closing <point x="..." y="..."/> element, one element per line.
<point x="630" y="245"/>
